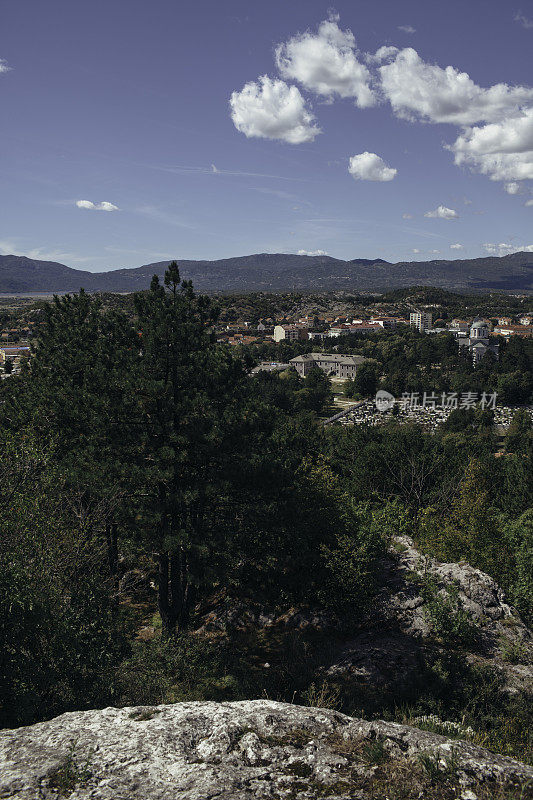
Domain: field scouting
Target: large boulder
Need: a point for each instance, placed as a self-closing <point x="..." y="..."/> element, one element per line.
<point x="249" y="749"/>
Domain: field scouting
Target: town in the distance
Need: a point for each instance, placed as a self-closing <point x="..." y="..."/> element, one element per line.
<point x="430" y="351"/>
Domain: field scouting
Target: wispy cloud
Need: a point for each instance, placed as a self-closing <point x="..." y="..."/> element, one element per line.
<point x="4" y="66"/>
<point x="407" y="28"/>
<point x="312" y="253"/>
<point x="9" y="247"/>
<point x="282" y="195"/>
<point x="523" y="20"/>
<point x="166" y="217"/>
<point x="214" y="170"/>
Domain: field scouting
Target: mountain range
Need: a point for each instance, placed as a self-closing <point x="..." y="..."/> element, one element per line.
<point x="279" y="272"/>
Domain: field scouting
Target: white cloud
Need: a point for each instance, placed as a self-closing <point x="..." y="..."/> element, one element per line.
<point x="501" y="150"/>
<point x="312" y="253"/>
<point x="442" y="213"/>
<point x="416" y="250"/>
<point x="523" y="20"/>
<point x="407" y="216"/>
<point x="513" y="188"/>
<point x="269" y="109"/>
<point x="4" y="67"/>
<point x="503" y="249"/>
<point x="429" y="93"/>
<point x="457" y="246"/>
<point x="407" y="28"/>
<point x="382" y="54"/>
<point x="370" y="167"/>
<point x="327" y="63"/>
<point x="103" y="206"/>
<point x="529" y="203"/>
<point x="434" y="251"/>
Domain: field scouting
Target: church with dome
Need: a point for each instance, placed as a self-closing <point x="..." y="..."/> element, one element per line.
<point x="478" y="342"/>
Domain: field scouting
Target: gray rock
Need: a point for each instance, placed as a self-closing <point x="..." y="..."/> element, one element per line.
<point x="230" y="751"/>
<point x="394" y="635"/>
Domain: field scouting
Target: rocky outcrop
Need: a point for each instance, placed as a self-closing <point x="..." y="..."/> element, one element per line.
<point x="233" y="751"/>
<point x="395" y="636"/>
<point x="390" y="646"/>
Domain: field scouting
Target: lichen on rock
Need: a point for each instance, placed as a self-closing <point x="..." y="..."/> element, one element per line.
<point x="242" y="750"/>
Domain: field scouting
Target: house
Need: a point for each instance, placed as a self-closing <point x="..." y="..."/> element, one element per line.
<point x="514" y="330"/>
<point x="459" y="327"/>
<point x="240" y="338"/>
<point x="338" y="365"/>
<point x="385" y="322"/>
<point x="269" y="366"/>
<point x="527" y="319"/>
<point x="13" y="352"/>
<point x="505" y="321"/>
<point x="478" y="342"/>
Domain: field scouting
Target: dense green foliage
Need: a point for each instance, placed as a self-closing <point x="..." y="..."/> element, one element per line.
<point x="133" y="441"/>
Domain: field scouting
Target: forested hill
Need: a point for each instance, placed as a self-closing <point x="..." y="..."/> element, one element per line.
<point x="275" y="272"/>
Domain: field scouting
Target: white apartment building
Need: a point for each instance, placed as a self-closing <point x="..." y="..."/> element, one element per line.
<point x="290" y="332"/>
<point x="421" y="320"/>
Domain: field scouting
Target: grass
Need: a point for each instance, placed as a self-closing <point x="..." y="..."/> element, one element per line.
<point x="70" y="774"/>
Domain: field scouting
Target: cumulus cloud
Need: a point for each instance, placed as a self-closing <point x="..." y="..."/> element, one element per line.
<point x="370" y="167"/>
<point x="513" y="188"/>
<point x="312" y="253"/>
<point x="457" y="246"/>
<point x="503" y="249"/>
<point x="327" y="63"/>
<point x="442" y="213"/>
<point x="416" y="250"/>
<point x="529" y="203"/>
<point x="407" y="216"/>
<point x="4" y="67"/>
<point x="502" y="150"/>
<point x="524" y="21"/>
<point x="426" y="92"/>
<point x="103" y="206"/>
<point x="384" y="53"/>
<point x="270" y="109"/>
<point x="407" y="28"/>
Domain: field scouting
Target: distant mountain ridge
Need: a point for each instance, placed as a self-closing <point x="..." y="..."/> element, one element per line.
<point x="279" y="272"/>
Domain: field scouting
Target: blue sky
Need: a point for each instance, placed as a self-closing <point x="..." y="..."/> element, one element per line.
<point x="120" y="145"/>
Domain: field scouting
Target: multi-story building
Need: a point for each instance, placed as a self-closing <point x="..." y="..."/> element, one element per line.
<point x="421" y="320"/>
<point x="359" y="327"/>
<point x="340" y="366"/>
<point x="290" y="332"/>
